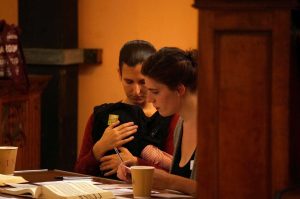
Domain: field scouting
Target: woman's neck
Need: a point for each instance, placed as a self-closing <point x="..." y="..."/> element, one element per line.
<point x="189" y="107"/>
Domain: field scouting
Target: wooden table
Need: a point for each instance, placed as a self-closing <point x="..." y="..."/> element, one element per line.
<point x="34" y="176"/>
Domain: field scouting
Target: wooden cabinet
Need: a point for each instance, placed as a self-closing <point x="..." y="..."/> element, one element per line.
<point x="20" y="121"/>
<point x="244" y="98"/>
<point x="50" y="30"/>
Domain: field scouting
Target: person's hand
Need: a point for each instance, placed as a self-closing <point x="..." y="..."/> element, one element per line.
<point x="161" y="178"/>
<point x="124" y="172"/>
<point x="110" y="163"/>
<point x="114" y="136"/>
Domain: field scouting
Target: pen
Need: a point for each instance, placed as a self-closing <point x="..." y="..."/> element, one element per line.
<point x="118" y="153"/>
<point x="73" y="177"/>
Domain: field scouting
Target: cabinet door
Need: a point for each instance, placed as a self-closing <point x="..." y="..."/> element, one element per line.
<point x="20" y="126"/>
<point x="243" y="103"/>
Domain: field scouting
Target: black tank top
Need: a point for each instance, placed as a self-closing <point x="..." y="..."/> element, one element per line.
<point x="176" y="169"/>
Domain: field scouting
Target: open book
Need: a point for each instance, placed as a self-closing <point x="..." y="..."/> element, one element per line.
<point x="4" y="179"/>
<point x="24" y="190"/>
<point x="60" y="190"/>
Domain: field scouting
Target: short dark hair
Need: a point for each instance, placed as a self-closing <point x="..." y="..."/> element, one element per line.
<point x="135" y="52"/>
<point x="172" y="66"/>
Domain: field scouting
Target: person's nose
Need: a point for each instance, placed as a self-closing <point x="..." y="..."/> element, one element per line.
<point x="137" y="89"/>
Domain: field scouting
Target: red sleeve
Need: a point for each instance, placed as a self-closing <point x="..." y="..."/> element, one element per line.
<point x="86" y="162"/>
<point x="169" y="144"/>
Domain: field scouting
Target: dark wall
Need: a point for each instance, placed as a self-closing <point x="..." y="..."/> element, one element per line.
<point x="48" y="23"/>
<point x="53" y="24"/>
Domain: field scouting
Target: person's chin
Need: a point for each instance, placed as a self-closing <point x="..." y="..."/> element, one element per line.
<point x="139" y="101"/>
<point x="164" y="114"/>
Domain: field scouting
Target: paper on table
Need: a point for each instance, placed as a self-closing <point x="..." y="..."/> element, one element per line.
<point x="59" y="189"/>
<point x="61" y="181"/>
<point x="120" y="192"/>
<point x="120" y="197"/>
<point x="11" y="179"/>
<point x="170" y="195"/>
<point x="115" y="186"/>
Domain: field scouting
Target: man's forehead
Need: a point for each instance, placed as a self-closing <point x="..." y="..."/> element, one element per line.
<point x="133" y="72"/>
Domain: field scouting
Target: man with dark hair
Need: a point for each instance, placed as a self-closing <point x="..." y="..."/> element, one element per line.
<point x="136" y="122"/>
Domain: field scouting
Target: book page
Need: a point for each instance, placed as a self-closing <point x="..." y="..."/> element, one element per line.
<point x="74" y="189"/>
<point x="4" y="179"/>
<point x="32" y="191"/>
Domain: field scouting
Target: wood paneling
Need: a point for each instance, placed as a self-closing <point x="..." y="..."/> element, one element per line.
<point x="20" y="116"/>
<point x="243" y="103"/>
<point x="244" y="92"/>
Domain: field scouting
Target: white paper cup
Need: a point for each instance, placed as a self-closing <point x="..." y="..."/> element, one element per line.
<point x="142" y="177"/>
<point x="8" y="156"/>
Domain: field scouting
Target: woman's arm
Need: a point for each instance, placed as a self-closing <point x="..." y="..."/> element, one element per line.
<point x="152" y="155"/>
<point x="164" y="180"/>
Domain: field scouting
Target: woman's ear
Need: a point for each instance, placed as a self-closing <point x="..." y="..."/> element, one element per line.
<point x="181" y="89"/>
